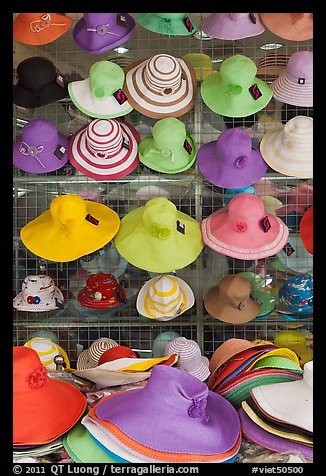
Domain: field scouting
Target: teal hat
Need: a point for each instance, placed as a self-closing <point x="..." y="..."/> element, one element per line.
<point x="170" y="149"/>
<point x="174" y="24"/>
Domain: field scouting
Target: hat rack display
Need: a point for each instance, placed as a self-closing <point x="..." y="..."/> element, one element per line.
<point x="163" y="236"/>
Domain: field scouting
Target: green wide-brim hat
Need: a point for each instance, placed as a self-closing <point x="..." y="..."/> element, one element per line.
<point x="155" y="160"/>
<point x="167" y="23"/>
<point x="266" y="299"/>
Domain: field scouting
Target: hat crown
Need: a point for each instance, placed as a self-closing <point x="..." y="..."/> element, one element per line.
<point x="160" y="217"/>
<point x="96" y="19"/>
<point x="188" y="351"/>
<point x="169" y="133"/>
<point x="235" y="289"/>
<point x="245" y="210"/>
<point x="102" y="286"/>
<point x="35" y="72"/>
<point x="163" y="74"/>
<point x="234" y="147"/>
<point x="164" y="297"/>
<point x="68" y="209"/>
<point x="171" y="16"/>
<point x="38" y="285"/>
<point x="300" y="65"/>
<point x="39" y="135"/>
<point x="46" y="350"/>
<point x="238" y="70"/>
<point x="28" y="371"/>
<point x="104" y="137"/>
<point x="298" y="133"/>
<point x="99" y="346"/>
<point x="105" y="78"/>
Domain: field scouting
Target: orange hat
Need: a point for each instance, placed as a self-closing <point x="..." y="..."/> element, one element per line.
<point x="306" y="230"/>
<point x="40" y="28"/>
<point x="289" y="26"/>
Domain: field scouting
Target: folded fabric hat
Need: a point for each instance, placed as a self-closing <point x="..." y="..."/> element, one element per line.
<point x="295" y="84"/>
<point x="72" y="227"/>
<point x="41" y="148"/>
<point x="169" y="149"/>
<point x="164" y="298"/>
<point x="201" y="63"/>
<point x="39" y="83"/>
<point x="243" y="229"/>
<point x="89" y="358"/>
<point x="190" y="358"/>
<point x="235" y="91"/>
<point x="231" y="161"/>
<point x="102" y="291"/>
<point x="40" y="28"/>
<point x="306" y="230"/>
<point x="290" y="26"/>
<point x="169" y="239"/>
<point x="288" y="149"/>
<point x="296" y="294"/>
<point x="294" y="255"/>
<point x="232" y="26"/>
<point x="271" y="65"/>
<point x="100" y="95"/>
<point x="99" y="32"/>
<point x="105" y="149"/>
<point x="47" y="350"/>
<point x="37" y="398"/>
<point x="82" y="448"/>
<point x="117" y="352"/>
<point x="160" y="342"/>
<point x="39" y="294"/>
<point x="161" y="86"/>
<point x="172" y="24"/>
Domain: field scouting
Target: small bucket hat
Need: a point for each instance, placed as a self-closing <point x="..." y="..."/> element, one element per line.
<point x="47" y="350"/>
<point x="201" y="63"/>
<point x="72" y="227"/>
<point x="244" y="230"/>
<point x="39" y="83"/>
<point x="306" y="230"/>
<point x="296" y="294"/>
<point x="230" y="300"/>
<point x="100" y="95"/>
<point x="271" y="65"/>
<point x="39" y="294"/>
<point x="295" y="84"/>
<point x="169" y="149"/>
<point x="41" y="148"/>
<point x="89" y="358"/>
<point x="105" y="149"/>
<point x="172" y="24"/>
<point x="102" y="291"/>
<point x="160" y="342"/>
<point x="40" y="28"/>
<point x="232" y="26"/>
<point x="289" y="26"/>
<point x="288" y="149"/>
<point x="164" y="298"/>
<point x="117" y="352"/>
<point x="161" y="86"/>
<point x="99" y="32"/>
<point x="231" y="161"/>
<point x="294" y="256"/>
<point x="169" y="239"/>
<point x="235" y="91"/>
<point x="190" y="358"/>
<point x="37" y="398"/>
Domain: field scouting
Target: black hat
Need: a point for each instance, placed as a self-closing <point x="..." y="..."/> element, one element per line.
<point x="39" y="83"/>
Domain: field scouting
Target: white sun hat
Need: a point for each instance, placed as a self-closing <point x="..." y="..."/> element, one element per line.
<point x="38" y="294"/>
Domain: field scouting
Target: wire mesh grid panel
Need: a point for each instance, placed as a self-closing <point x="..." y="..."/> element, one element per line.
<point x="75" y="326"/>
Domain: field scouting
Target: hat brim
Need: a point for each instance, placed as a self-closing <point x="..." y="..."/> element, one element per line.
<point x="290" y="92"/>
<point x="281" y="24"/>
<point x="21" y="305"/>
<point x="306" y="230"/>
<point x="84" y="361"/>
<point x="82" y="448"/>
<point x="22" y="97"/>
<point x="202" y="371"/>
<point x="23" y="33"/>
<point x="300" y="261"/>
<point x="86" y="301"/>
<point x="159" y="25"/>
<point x="266" y="301"/>
<point x="123" y="163"/>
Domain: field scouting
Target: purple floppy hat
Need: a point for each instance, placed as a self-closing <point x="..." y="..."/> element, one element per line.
<point x="99" y="32"/>
<point x="232" y="26"/>
<point x="41" y="148"/>
<point x="231" y="161"/>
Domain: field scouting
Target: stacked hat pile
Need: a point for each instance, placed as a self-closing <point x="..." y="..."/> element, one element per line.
<point x="238" y="365"/>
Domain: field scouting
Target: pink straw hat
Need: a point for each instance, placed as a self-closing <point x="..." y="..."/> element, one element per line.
<point x="244" y="230"/>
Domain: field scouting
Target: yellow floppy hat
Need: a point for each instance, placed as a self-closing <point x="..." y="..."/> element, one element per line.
<point x="72" y="227"/>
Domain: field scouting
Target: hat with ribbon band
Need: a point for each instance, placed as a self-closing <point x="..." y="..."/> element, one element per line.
<point x="38" y="294"/>
<point x="40" y="28"/>
<point x="172" y="24"/>
<point x="232" y="26"/>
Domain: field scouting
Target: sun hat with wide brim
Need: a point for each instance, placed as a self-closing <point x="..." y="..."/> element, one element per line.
<point x="72" y="227"/>
<point x="39" y="294"/>
<point x="235" y="91"/>
<point x="290" y="26"/>
<point x="306" y="230"/>
<point x="232" y="26"/>
<point x="161" y="86"/>
<point x="294" y="256"/>
<point x="47" y="350"/>
<point x="35" y="394"/>
<point x="202" y="64"/>
<point x="172" y="24"/>
<point x="244" y="230"/>
<point x="40" y="28"/>
<point x="266" y="300"/>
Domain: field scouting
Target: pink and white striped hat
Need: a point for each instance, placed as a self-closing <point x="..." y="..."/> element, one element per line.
<point x="105" y="149"/>
<point x="190" y="358"/>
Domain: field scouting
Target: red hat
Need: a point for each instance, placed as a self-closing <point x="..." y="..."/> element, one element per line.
<point x="102" y="291"/>
<point x="306" y="230"/>
<point x="43" y="408"/>
<point x="117" y="352"/>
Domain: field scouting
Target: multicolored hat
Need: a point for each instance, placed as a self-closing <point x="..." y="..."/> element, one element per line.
<point x="295" y="84"/>
<point x="169" y="239"/>
<point x="40" y="28"/>
<point x="294" y="255"/>
<point x="232" y="26"/>
<point x="231" y="161"/>
<point x="39" y="83"/>
<point x="117" y="352"/>
<point x="72" y="227"/>
<point x="235" y="91"/>
<point x="89" y="358"/>
<point x="271" y="65"/>
<point x="47" y="350"/>
<point x="244" y="230"/>
<point x="290" y="26"/>
<point x="38" y="294"/>
<point x="306" y="230"/>
<point x="41" y="148"/>
<point x="102" y="291"/>
<point x="99" y="32"/>
<point x="288" y="149"/>
<point x="105" y="149"/>
<point x="169" y="149"/>
<point x="172" y="24"/>
<point x="190" y="358"/>
<point x="202" y="64"/>
<point x="36" y="399"/>
<point x="100" y="95"/>
<point x="161" y="86"/>
<point x="296" y="294"/>
<point x="164" y="298"/>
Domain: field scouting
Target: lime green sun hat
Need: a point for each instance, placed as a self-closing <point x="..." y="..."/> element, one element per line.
<point x="170" y="149"/>
<point x="159" y="238"/>
<point x="235" y="91"/>
<point x="174" y="24"/>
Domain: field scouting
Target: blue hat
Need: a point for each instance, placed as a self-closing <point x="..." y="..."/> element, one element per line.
<point x="296" y="294"/>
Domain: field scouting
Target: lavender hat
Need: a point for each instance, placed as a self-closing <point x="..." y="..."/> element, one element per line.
<point x="232" y="26"/>
<point x="231" y="161"/>
<point x="41" y="148"/>
<point x="99" y="32"/>
<point x="189" y="357"/>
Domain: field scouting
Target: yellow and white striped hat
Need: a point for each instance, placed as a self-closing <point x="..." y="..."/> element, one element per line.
<point x="47" y="350"/>
<point x="164" y="297"/>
